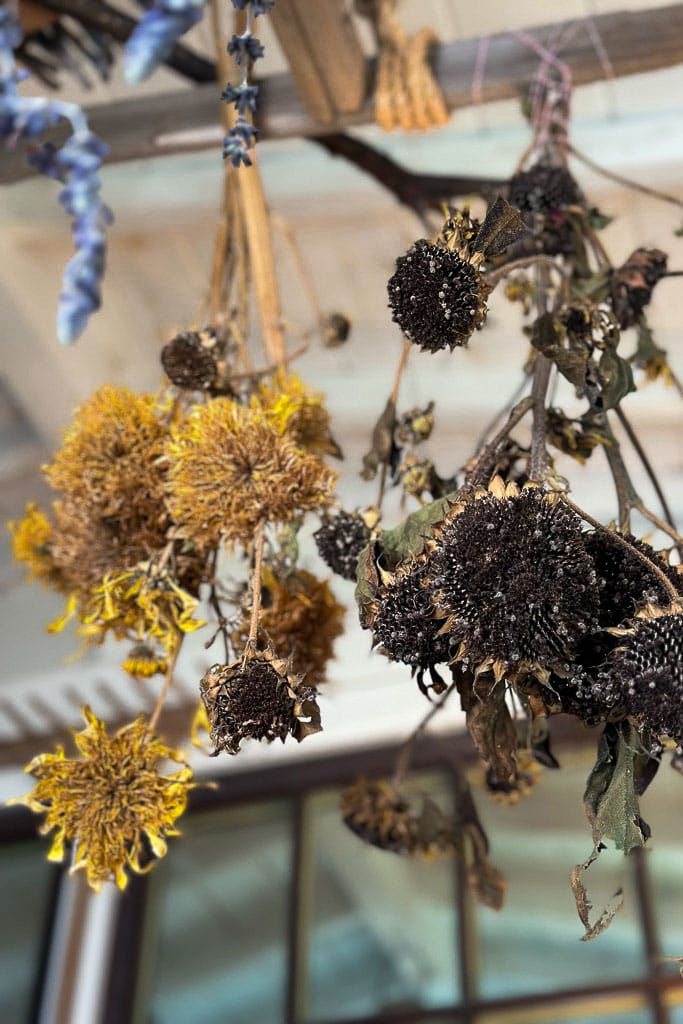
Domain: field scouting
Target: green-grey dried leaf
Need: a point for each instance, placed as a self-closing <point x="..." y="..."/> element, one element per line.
<point x="616" y="379"/>
<point x="383" y="449"/>
<point x="502" y="226"/>
<point x="409" y="538"/>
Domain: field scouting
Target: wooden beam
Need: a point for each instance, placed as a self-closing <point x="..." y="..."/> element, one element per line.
<point x="636" y="41"/>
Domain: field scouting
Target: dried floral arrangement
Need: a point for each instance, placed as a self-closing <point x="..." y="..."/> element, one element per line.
<point x="497" y="587"/>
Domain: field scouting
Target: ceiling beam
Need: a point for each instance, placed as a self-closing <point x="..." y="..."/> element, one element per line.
<point x="636" y="41"/>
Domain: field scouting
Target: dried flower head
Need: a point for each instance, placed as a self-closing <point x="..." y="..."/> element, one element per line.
<point x="510" y="791"/>
<point x="112" y="802"/>
<point x="512" y="576"/>
<point x="144" y="662"/>
<point x="543" y="188"/>
<point x="190" y="359"/>
<point x="406" y="626"/>
<point x="336" y="329"/>
<point x="624" y="581"/>
<point x="644" y="674"/>
<point x="109" y="458"/>
<point x="416" y="425"/>
<point x="32" y="541"/>
<point x="379" y="815"/>
<point x="257" y="698"/>
<point x="632" y="284"/>
<point x="144" y="602"/>
<point x="297" y="412"/>
<point x="300" y="619"/>
<point x="230" y="471"/>
<point x="340" y="540"/>
<point x="437" y="296"/>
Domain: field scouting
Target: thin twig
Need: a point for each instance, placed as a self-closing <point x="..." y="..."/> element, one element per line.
<point x="490" y="451"/>
<point x="539" y="388"/>
<point x="166" y="685"/>
<point x="659" y="523"/>
<point x="406" y="751"/>
<point x="405" y="352"/>
<point x="663" y="578"/>
<point x="627" y="496"/>
<point x="647" y="466"/>
<point x="628" y="182"/>
<point x="266" y="370"/>
<point x="495" y="275"/>
<point x="255" y="587"/>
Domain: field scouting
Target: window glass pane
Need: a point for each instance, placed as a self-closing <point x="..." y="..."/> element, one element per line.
<point x="215" y="947"/>
<point x="532" y="944"/>
<point x="383" y="927"/>
<point x="27" y="881"/>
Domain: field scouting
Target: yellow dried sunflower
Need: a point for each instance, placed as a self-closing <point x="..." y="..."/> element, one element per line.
<point x="111" y="803"/>
<point x="301" y="618"/>
<point x="230" y="471"/>
<point x="144" y="602"/>
<point x="143" y="662"/>
<point x="292" y="409"/>
<point x="110" y="455"/>
<point x="32" y="543"/>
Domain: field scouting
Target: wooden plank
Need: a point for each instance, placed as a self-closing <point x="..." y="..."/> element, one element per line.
<point x="324" y="53"/>
<point x="636" y="41"/>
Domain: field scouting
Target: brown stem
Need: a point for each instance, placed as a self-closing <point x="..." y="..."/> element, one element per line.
<point x="627" y="496"/>
<point x="659" y="523"/>
<point x="516" y="414"/>
<point x="663" y="578"/>
<point x="166" y="685"/>
<point x="539" y="388"/>
<point x="256" y="587"/>
<point x="495" y="275"/>
<point x="405" y="352"/>
<point x="285" y="230"/>
<point x="406" y="751"/>
<point x="267" y="370"/>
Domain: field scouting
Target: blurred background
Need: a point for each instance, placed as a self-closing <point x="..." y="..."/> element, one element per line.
<point x="268" y="909"/>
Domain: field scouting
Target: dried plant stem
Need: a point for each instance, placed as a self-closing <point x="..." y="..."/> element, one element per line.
<point x="517" y="413"/>
<point x="256" y="587"/>
<point x="165" y="687"/>
<point x="285" y="230"/>
<point x="539" y="388"/>
<point x="495" y="275"/>
<point x="647" y="466"/>
<point x="406" y="751"/>
<point x="265" y="371"/>
<point x="628" y="182"/>
<point x="659" y="523"/>
<point x="663" y="578"/>
<point x="400" y="369"/>
<point x="217" y="292"/>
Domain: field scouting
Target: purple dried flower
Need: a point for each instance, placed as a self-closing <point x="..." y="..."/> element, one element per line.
<point x="156" y="34"/>
<point x="245" y="46"/>
<point x="76" y="164"/>
<point x="242" y="96"/>
<point x="238" y="141"/>
<point x="257" y="6"/>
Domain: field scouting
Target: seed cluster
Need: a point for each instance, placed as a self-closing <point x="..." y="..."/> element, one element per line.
<point x="340" y="540"/>
<point x="437" y="298"/>
<point x="189" y="362"/>
<point x="515" y="581"/>
<point x="625" y="583"/>
<point x="543" y="188"/>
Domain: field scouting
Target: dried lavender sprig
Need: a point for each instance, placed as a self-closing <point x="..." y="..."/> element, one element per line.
<point x="246" y="49"/>
<point x="76" y="164"/>
<point x="156" y="34"/>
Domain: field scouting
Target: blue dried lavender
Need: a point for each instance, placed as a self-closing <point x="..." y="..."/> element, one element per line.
<point x="245" y="48"/>
<point x="156" y="34"/>
<point x="76" y="164"/>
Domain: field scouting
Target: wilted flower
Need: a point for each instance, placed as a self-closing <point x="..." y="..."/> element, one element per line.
<point x="190" y="360"/>
<point x="297" y="412"/>
<point x="230" y="471"/>
<point x="32" y="539"/>
<point x="528" y="773"/>
<point x="259" y="698"/>
<point x="300" y="619"/>
<point x="143" y="662"/>
<point x="543" y="188"/>
<point x="625" y="585"/>
<point x="382" y="816"/>
<point x="340" y="539"/>
<point x="513" y="579"/>
<point x="632" y="284"/>
<point x="111" y="803"/>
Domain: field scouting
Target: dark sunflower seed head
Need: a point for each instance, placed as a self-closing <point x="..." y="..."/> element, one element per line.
<point x="340" y="540"/>
<point x="543" y="188"/>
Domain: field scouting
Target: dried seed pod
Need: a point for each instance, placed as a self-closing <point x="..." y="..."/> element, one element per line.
<point x="340" y="539"/>
<point x="437" y="297"/>
<point x="190" y="360"/>
<point x="257" y="697"/>
<point x="632" y="284"/>
<point x="543" y="188"/>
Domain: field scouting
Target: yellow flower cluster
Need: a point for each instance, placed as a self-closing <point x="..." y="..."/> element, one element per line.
<point x="111" y="803"/>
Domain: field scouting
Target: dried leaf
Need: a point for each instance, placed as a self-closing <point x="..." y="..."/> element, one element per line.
<point x="384" y="450"/>
<point x="502" y="226"/>
<point x="493" y="730"/>
<point x="584" y="905"/>
<point x="616" y="379"/>
<point x="598" y="220"/>
<point x="367" y="585"/>
<point x="486" y="881"/>
<point x="408" y="539"/>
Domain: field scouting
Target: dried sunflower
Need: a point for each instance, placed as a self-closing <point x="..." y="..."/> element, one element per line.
<point x="405" y="625"/>
<point x="543" y="188"/>
<point x="32" y="543"/>
<point x="230" y="471"/>
<point x="143" y="662"/>
<point x="643" y="676"/>
<point x="293" y="409"/>
<point x="112" y="803"/>
<point x="340" y="540"/>
<point x="513" y="578"/>
<point x="624" y="581"/>
<point x="110" y="456"/>
<point x="380" y="815"/>
<point x="144" y="602"/>
<point x="632" y="284"/>
<point x="257" y="698"/>
<point x="191" y="359"/>
<point x="300" y="618"/>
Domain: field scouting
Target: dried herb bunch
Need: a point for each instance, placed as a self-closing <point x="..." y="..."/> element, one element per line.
<point x="499" y="579"/>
